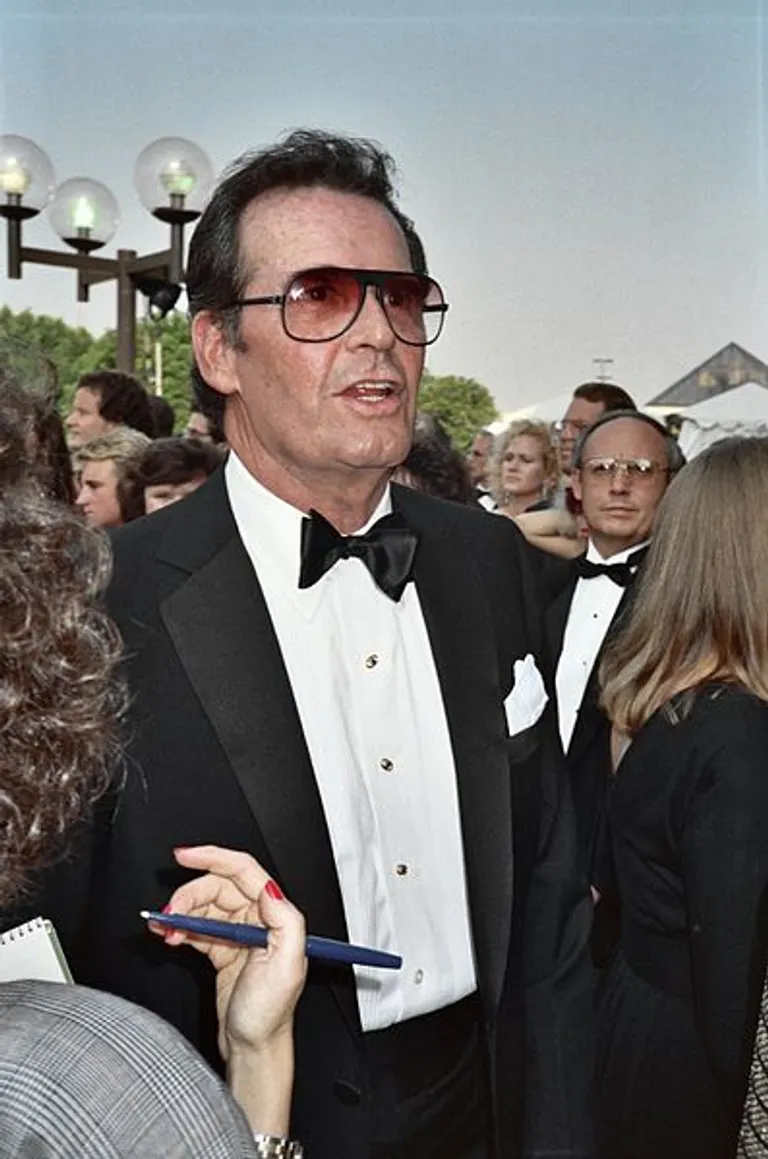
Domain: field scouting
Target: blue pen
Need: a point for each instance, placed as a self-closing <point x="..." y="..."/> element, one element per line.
<point x="325" y="949"/>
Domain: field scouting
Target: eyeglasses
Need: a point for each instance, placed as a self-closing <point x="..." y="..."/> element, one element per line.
<point x="319" y="305"/>
<point x="641" y="471"/>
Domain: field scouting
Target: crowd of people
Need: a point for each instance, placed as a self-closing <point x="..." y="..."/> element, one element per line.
<point x="519" y="747"/>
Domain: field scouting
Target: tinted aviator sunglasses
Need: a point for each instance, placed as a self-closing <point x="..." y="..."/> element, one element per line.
<point x="321" y="304"/>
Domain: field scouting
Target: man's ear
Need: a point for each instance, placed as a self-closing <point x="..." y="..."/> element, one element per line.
<point x="576" y="483"/>
<point x="214" y="354"/>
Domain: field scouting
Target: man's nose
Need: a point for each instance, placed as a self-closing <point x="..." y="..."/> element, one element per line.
<point x="620" y="478"/>
<point x="371" y="327"/>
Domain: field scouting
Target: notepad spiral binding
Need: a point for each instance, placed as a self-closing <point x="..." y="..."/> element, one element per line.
<point x="19" y="932"/>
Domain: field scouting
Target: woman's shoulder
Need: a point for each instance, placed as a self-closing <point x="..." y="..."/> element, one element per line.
<point x="719" y="702"/>
<point x="716" y="727"/>
<point x="706" y="716"/>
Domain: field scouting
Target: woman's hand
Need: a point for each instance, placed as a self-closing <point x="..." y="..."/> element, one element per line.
<point x="256" y="990"/>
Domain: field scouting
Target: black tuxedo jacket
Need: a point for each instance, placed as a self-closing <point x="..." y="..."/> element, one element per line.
<point x="216" y="753"/>
<point x="588" y="758"/>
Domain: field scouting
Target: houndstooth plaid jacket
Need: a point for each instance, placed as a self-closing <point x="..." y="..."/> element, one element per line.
<point x="86" y="1075"/>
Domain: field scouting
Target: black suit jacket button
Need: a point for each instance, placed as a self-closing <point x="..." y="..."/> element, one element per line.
<point x="347" y="1093"/>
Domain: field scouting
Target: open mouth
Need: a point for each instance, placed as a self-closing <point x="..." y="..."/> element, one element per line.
<point x="370" y="391"/>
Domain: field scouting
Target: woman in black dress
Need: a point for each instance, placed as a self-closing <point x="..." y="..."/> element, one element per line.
<point x="686" y="685"/>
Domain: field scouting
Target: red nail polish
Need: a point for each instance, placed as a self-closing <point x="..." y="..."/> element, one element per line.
<point x="166" y="909"/>
<point x="274" y="890"/>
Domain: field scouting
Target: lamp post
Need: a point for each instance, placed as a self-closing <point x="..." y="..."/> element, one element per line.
<point x="172" y="177"/>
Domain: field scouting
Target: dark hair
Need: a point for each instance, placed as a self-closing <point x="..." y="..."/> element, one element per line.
<point x="675" y="457"/>
<point x="163" y="416"/>
<point x="208" y="403"/>
<point x="32" y="437"/>
<point x="433" y="464"/>
<point x="305" y="158"/>
<point x="176" y="460"/>
<point x="17" y="424"/>
<point x="53" y="464"/>
<point x="612" y="396"/>
<point x="60" y="703"/>
<point x="122" y="399"/>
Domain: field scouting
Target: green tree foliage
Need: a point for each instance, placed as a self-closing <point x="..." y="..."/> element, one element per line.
<point x="462" y="405"/>
<point x="75" y="351"/>
<point x="66" y="346"/>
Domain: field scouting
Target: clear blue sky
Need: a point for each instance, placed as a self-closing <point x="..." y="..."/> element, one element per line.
<point x="589" y="176"/>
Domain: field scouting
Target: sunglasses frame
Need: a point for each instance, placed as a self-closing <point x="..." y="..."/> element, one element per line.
<point x="364" y="278"/>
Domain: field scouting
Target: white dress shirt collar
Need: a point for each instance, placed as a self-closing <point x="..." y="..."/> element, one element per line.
<point x="263" y="518"/>
<point x="594" y="556"/>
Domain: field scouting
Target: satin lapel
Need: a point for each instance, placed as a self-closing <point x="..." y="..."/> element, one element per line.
<point x="219" y="624"/>
<point x="463" y="645"/>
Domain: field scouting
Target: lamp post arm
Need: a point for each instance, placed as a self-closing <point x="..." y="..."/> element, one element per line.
<point x="107" y="267"/>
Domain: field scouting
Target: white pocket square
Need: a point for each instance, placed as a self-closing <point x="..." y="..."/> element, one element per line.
<point x="528" y="697"/>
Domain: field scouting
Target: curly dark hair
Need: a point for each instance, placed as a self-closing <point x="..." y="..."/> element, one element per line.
<point x="31" y="431"/>
<point x="303" y="159"/>
<point x="60" y="699"/>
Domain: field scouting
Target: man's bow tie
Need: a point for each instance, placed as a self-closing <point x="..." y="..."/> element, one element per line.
<point x="388" y="550"/>
<point x="621" y="573"/>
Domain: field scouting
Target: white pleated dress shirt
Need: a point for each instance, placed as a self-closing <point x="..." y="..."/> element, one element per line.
<point x="593" y="607"/>
<point x="369" y="701"/>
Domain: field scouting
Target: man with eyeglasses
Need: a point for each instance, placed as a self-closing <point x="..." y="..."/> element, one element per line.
<point x="338" y="676"/>
<point x="556" y="531"/>
<point x="589" y="402"/>
<point x="622" y="466"/>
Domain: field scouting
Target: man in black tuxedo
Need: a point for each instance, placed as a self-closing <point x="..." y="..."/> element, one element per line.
<point x="621" y="468"/>
<point x="350" y="695"/>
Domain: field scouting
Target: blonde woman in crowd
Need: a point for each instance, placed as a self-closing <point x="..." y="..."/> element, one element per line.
<point x="523" y="470"/>
<point x="686" y="687"/>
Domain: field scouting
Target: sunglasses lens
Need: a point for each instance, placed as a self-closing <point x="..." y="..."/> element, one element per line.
<point x="413" y="304"/>
<point x="319" y="304"/>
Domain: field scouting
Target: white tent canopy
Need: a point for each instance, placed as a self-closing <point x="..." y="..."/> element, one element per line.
<point x="549" y="410"/>
<point x="741" y="411"/>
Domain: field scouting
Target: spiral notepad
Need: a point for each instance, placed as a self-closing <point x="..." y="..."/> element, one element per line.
<point x="33" y="950"/>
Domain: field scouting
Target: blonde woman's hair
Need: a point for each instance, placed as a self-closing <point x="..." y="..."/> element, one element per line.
<point x="118" y="445"/>
<point x="538" y="431"/>
<point x="124" y="447"/>
<point x="701" y="607"/>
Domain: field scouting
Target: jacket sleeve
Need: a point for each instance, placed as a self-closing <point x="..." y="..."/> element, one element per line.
<point x="724" y="858"/>
<point x="558" y="976"/>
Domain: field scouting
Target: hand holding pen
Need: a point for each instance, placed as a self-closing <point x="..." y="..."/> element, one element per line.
<point x="256" y="989"/>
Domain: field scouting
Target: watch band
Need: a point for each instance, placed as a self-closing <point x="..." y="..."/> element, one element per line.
<point x="278" y="1147"/>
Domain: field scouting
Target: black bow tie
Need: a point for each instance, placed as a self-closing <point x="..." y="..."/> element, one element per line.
<point x="387" y="550"/>
<point x="621" y="573"/>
